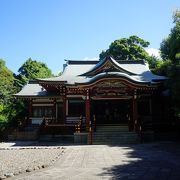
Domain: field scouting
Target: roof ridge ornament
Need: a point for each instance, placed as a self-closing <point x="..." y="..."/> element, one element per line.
<point x="108" y="57"/>
<point x="108" y="64"/>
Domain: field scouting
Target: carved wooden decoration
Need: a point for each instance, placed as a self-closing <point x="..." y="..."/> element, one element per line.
<point x="111" y="84"/>
<point x="107" y="67"/>
<point x="111" y="88"/>
<point x="75" y="91"/>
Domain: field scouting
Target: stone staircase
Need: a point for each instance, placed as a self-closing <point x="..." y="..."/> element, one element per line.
<point x="114" y="134"/>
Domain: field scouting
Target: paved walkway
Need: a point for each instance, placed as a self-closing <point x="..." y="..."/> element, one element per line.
<point x="145" y="161"/>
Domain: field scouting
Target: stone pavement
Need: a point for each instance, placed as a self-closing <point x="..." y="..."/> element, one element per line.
<point x="159" y="161"/>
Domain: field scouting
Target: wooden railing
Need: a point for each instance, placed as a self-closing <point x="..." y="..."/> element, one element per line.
<point x="78" y="126"/>
<point x="48" y="121"/>
<point x="72" y="120"/>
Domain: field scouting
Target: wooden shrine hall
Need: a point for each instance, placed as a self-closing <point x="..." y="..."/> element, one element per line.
<point x="93" y="95"/>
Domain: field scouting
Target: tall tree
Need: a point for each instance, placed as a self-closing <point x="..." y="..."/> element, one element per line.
<point x="33" y="69"/>
<point x="131" y="48"/>
<point x="6" y="83"/>
<point x="170" y="52"/>
<point x="7" y="89"/>
<point x="170" y="46"/>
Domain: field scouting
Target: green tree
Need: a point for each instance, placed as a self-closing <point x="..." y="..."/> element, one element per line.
<point x="170" y="46"/>
<point x="153" y="62"/>
<point x="6" y="83"/>
<point x="170" y="52"/>
<point x="33" y="69"/>
<point x="7" y="89"/>
<point x="131" y="48"/>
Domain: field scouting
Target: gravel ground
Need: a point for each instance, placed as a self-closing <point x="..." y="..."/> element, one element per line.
<point x="21" y="160"/>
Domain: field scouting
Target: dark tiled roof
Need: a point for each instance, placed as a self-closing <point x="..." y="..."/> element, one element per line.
<point x="82" y="62"/>
<point x="76" y="72"/>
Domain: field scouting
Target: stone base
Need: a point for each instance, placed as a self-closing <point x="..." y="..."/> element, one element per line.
<point x="18" y="135"/>
<point x="81" y="138"/>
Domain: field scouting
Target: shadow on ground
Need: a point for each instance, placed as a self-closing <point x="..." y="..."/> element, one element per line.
<point x="159" y="161"/>
<point x="147" y="161"/>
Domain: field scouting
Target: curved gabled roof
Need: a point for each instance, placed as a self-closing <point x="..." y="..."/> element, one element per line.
<point x="33" y="89"/>
<point x="107" y="64"/>
<point x="87" y="72"/>
<point x="71" y="74"/>
<point x="114" y="75"/>
<point x="77" y="72"/>
<point x="132" y="67"/>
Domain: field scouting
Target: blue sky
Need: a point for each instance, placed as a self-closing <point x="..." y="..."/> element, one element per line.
<point x="53" y="30"/>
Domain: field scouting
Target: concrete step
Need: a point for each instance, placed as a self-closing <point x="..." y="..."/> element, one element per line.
<point x="109" y="133"/>
<point x="112" y="128"/>
<point x="114" y="138"/>
<point x="114" y="142"/>
<point x="114" y="134"/>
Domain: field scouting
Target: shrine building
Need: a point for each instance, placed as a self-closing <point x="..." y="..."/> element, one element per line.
<point x="93" y="95"/>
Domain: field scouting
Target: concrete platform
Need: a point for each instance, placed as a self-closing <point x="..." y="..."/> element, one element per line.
<point x="141" y="161"/>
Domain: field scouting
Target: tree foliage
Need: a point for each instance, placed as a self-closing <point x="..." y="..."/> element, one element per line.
<point x="6" y="83"/>
<point x="131" y="48"/>
<point x="154" y="62"/>
<point x="7" y="89"/>
<point x="170" y="46"/>
<point x="33" y="69"/>
<point x="170" y="52"/>
<point x="12" y="109"/>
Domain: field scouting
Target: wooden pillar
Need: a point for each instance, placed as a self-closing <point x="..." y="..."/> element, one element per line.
<point x="130" y="116"/>
<point x="64" y="109"/>
<point x="30" y="111"/>
<point x="54" y="111"/>
<point x="150" y="106"/>
<point x="64" y="105"/>
<point x="87" y="110"/>
<point x="135" y="113"/>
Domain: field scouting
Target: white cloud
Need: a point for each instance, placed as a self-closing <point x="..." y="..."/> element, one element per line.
<point x="88" y="59"/>
<point x="153" y="51"/>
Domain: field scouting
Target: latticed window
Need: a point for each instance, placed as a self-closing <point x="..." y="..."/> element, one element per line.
<point x="45" y="111"/>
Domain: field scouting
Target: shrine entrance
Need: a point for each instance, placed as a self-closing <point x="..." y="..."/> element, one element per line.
<point x="112" y="111"/>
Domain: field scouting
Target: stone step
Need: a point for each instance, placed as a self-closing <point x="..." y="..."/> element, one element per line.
<point x="119" y="133"/>
<point x="114" y="134"/>
<point x="114" y="142"/>
<point x="112" y="128"/>
<point x="113" y="138"/>
<point x="123" y="140"/>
